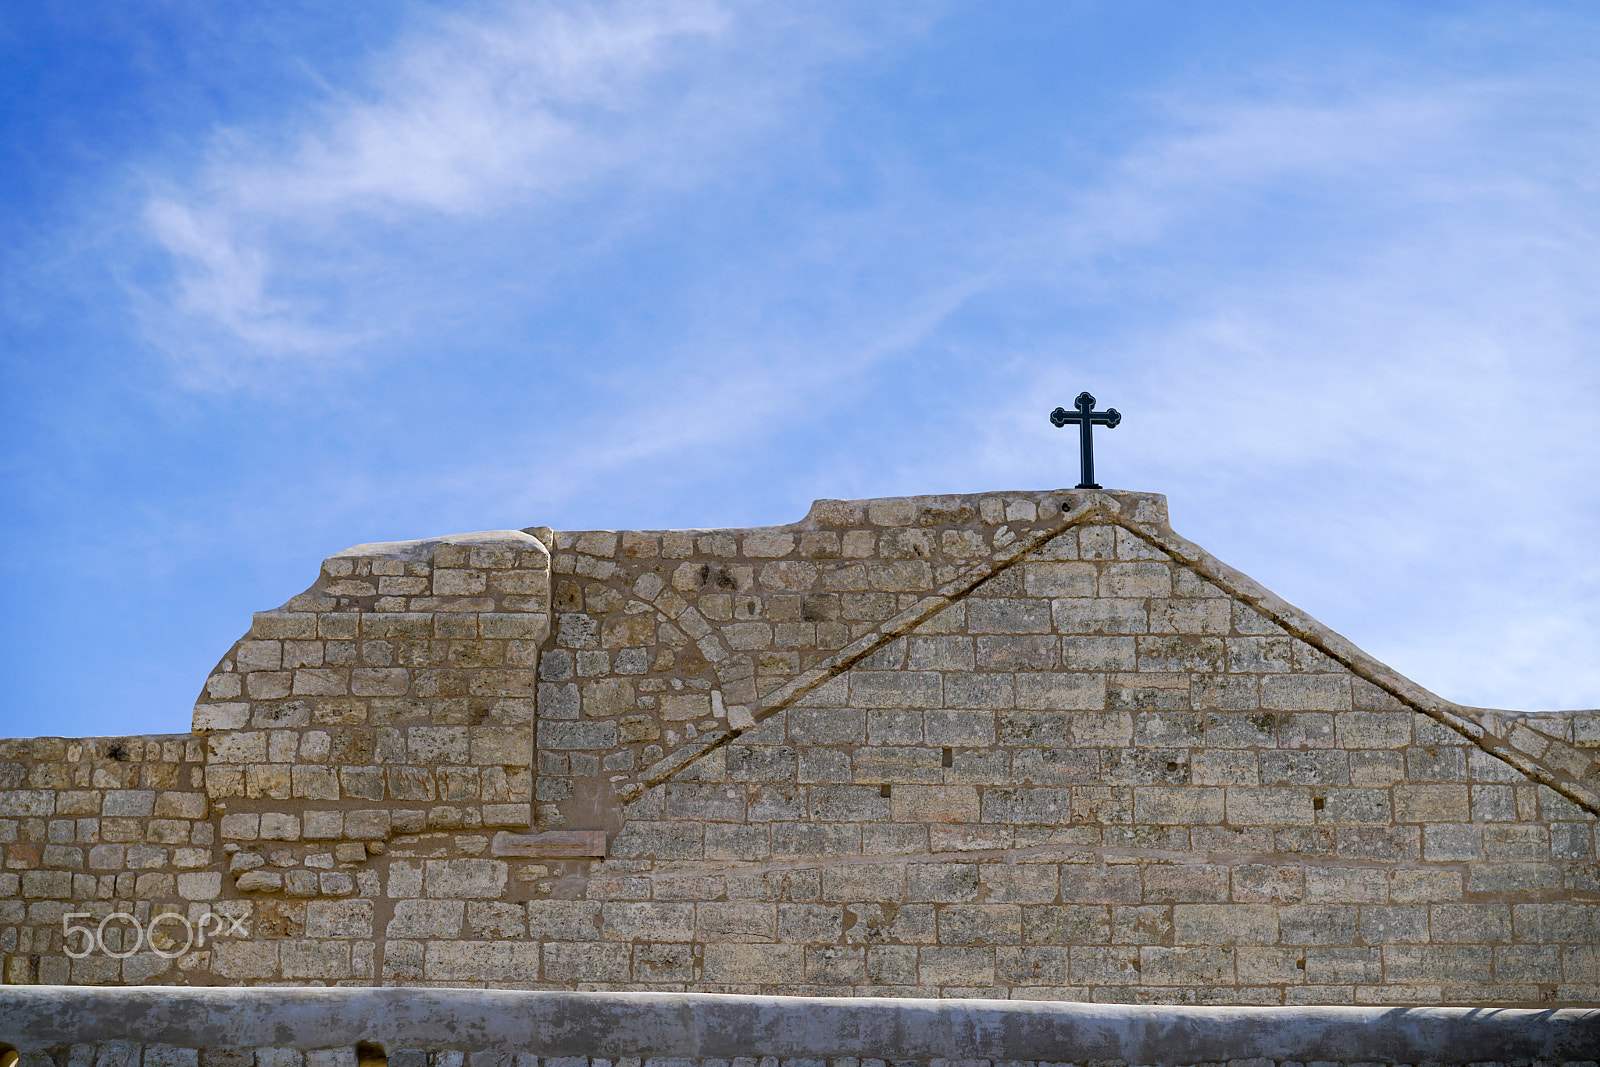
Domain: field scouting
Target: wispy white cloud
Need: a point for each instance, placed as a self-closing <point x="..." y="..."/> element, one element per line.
<point x="1315" y="301"/>
<point x="500" y="117"/>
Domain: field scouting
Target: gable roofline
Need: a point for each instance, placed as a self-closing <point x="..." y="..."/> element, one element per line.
<point x="1510" y="736"/>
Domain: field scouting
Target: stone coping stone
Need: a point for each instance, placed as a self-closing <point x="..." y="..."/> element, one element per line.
<point x="697" y="1025"/>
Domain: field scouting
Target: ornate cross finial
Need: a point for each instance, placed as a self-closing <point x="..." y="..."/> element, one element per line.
<point x="1086" y="417"/>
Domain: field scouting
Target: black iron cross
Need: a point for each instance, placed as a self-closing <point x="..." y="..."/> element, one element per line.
<point x="1086" y="417"/>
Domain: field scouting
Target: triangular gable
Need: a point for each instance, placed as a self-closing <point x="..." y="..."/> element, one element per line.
<point x="1529" y="742"/>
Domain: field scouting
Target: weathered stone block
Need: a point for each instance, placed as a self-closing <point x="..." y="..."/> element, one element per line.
<point x="1186" y="966"/>
<point x="1061" y="692"/>
<point x="1306" y="692"/>
<point x="754" y="964"/>
<point x="470" y="878"/>
<point x="1270" y="806"/>
<point x="510" y="961"/>
<point x="895" y="689"/>
<point x="1188" y="805"/>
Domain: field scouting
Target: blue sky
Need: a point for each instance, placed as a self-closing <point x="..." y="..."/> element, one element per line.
<point x="276" y="279"/>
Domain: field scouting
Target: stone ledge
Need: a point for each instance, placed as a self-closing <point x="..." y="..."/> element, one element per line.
<point x="720" y="1025"/>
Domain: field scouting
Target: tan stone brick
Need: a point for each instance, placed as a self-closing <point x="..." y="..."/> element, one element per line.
<point x="732" y="921"/>
<point x="934" y="803"/>
<point x="1319" y="924"/>
<point x="895" y="689"/>
<point x="1181" y="652"/>
<point x="1056" y="579"/>
<point x="1181" y="883"/>
<point x="1093" y="883"/>
<point x="470" y="878"/>
<point x="1099" y="653"/>
<point x="1394" y="924"/>
<point x="1190" y="616"/>
<point x="564" y="920"/>
<point x="1075" y="692"/>
<point x="1306" y="692"/>
<point x="1096" y="615"/>
<point x="1225" y="924"/>
<point x="799" y="576"/>
<point x="1270" y="965"/>
<point x="1138" y="579"/>
<point x="632" y="920"/>
<point x="964" y="966"/>
<point x="1008" y="615"/>
<point x="1066" y="924"/>
<point x="941" y="653"/>
<point x="199" y="885"/>
<point x="1363" y="885"/>
<point x="980" y="924"/>
<point x="501" y="745"/>
<point x="241" y="960"/>
<point x="1106" y="965"/>
<point x="1270" y="806"/>
<point x="489" y="961"/>
<point x="1436" y="963"/>
<point x="1431" y="803"/>
<point x="1187" y="805"/>
<point x="754" y="964"/>
<point x="248" y="746"/>
<point x="1517" y="878"/>
<point x="864" y="882"/>
<point x="1473" y="924"/>
<point x="258" y="656"/>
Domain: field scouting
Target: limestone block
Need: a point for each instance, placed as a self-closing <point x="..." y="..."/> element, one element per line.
<point x="732" y="921"/>
<point x="1270" y="806"/>
<point x="966" y="966"/>
<point x="478" y="879"/>
<point x="1186" y="965"/>
<point x="754" y="964"/>
<point x="1182" y="883"/>
<point x="1009" y="615"/>
<point x="1190" y="805"/>
<point x="488" y="961"/>
<point x="1063" y="692"/>
<point x="1306" y="692"/>
<point x="426" y="919"/>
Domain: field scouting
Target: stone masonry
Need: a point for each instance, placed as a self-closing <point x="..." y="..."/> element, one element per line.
<point x="1027" y="745"/>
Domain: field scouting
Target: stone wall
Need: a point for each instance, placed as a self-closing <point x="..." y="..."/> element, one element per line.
<point x="1016" y="745"/>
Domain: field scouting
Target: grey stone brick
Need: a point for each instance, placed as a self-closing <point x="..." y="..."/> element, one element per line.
<point x="1083" y="615"/>
<point x="946" y="653"/>
<point x="980" y="924"/>
<point x="1093" y="883"/>
<point x="1066" y="692"/>
<point x="895" y="689"/>
<point x="1186" y="965"/>
<point x="962" y="966"/>
<point x="1056" y="766"/>
<point x="1319" y="924"/>
<point x="1306" y="692"/>
<point x="1181" y="652"/>
<point x="1066" y="924"/>
<point x="1047" y="805"/>
<point x="941" y="882"/>
<point x="813" y="840"/>
<point x="848" y="803"/>
<point x="1179" y="883"/>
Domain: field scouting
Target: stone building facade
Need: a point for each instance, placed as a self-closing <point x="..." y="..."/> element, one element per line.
<point x="1012" y="745"/>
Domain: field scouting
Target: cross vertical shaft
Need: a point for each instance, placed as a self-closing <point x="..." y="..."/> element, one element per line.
<point x="1086" y="419"/>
